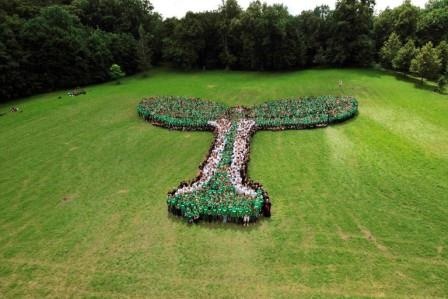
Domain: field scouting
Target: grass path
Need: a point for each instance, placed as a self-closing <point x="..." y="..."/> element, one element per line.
<point x="359" y="209"/>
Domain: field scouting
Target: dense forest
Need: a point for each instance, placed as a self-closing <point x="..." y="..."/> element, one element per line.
<point x="50" y="44"/>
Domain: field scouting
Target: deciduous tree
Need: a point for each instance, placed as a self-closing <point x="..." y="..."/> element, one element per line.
<point x="116" y="73"/>
<point x="143" y="50"/>
<point x="426" y="63"/>
<point x="389" y="50"/>
<point x="442" y="51"/>
<point x="404" y="56"/>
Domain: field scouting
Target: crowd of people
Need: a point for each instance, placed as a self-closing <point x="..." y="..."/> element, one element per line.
<point x="76" y="92"/>
<point x="305" y="112"/>
<point x="240" y="156"/>
<point x="222" y="191"/>
<point x="219" y="193"/>
<point x="222" y="128"/>
<point x="181" y="113"/>
<point x="15" y="109"/>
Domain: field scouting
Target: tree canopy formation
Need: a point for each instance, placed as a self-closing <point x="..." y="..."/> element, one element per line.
<point x="51" y="44"/>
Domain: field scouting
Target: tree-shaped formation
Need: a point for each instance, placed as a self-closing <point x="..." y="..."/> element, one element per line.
<point x="222" y="190"/>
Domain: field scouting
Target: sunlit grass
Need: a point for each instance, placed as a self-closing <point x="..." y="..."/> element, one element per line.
<point x="359" y="209"/>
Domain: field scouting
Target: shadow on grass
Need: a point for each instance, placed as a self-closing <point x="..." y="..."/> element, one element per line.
<point x="365" y="72"/>
<point x="417" y="82"/>
<point x="343" y="123"/>
<point x="218" y="224"/>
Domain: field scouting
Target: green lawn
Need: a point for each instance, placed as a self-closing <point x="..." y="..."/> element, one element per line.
<point x="359" y="209"/>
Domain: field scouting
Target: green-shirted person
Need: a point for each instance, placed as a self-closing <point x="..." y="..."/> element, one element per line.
<point x="182" y="208"/>
<point x="224" y="214"/>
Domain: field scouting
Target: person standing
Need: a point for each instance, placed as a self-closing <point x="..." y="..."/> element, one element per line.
<point x="267" y="209"/>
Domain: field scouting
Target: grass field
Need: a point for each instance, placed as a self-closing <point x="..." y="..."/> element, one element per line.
<point x="359" y="209"/>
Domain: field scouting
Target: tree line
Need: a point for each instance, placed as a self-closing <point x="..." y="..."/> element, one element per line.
<point x="50" y="44"/>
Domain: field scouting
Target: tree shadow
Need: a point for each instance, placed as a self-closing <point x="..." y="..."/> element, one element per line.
<point x="365" y="72"/>
<point x="417" y="82"/>
<point x="343" y="123"/>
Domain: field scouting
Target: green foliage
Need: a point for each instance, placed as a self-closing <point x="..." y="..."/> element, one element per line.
<point x="383" y="27"/>
<point x="13" y="81"/>
<point x="100" y="56"/>
<point x="402" y="20"/>
<point x="320" y="58"/>
<point x="404" y="56"/>
<point x="442" y="52"/>
<point x="143" y="50"/>
<point x="228" y="13"/>
<point x="433" y="22"/>
<point x="269" y="38"/>
<point x="124" y="51"/>
<point x="115" y="72"/>
<point x="426" y="63"/>
<point x="390" y="50"/>
<point x="405" y="23"/>
<point x="118" y="16"/>
<point x="77" y="40"/>
<point x="64" y="54"/>
<point x="185" y="42"/>
<point x="351" y="41"/>
<point x="314" y="31"/>
<point x="46" y="45"/>
<point x="411" y="23"/>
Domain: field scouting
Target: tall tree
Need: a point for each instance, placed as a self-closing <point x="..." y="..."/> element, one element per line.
<point x="253" y="32"/>
<point x="13" y="77"/>
<point x="442" y="52"/>
<point x="229" y="12"/>
<point x="404" y="56"/>
<point x="426" y="63"/>
<point x="402" y="20"/>
<point x="99" y="56"/>
<point x="282" y="48"/>
<point x="116" y="73"/>
<point x="143" y="50"/>
<point x="405" y="23"/>
<point x="314" y="31"/>
<point x="433" y="22"/>
<point x="351" y="42"/>
<point x="184" y="45"/>
<point x="78" y="40"/>
<point x="114" y="15"/>
<point x="56" y="40"/>
<point x="270" y="39"/>
<point x="383" y="27"/>
<point x="123" y="47"/>
<point x="389" y="50"/>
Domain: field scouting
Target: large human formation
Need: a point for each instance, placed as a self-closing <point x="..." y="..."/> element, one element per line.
<point x="222" y="190"/>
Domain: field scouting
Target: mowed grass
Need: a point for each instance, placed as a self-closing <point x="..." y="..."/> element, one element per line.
<point x="359" y="209"/>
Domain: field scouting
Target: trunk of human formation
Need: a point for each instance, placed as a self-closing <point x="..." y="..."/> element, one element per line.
<point x="239" y="156"/>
